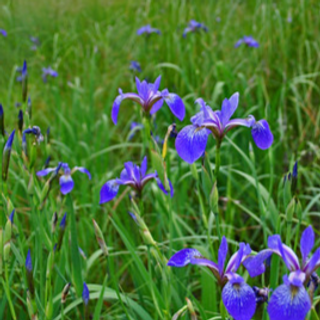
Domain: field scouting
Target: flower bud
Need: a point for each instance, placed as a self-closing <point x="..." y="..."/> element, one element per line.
<point x="85" y="294"/>
<point x="20" y="120"/>
<point x="24" y="75"/>
<point x="100" y="238"/>
<point x="294" y="181"/>
<point x="54" y="221"/>
<point x="61" y="231"/>
<point x="2" y="120"/>
<point x="29" y="108"/>
<point x="28" y="266"/>
<point x="6" y="156"/>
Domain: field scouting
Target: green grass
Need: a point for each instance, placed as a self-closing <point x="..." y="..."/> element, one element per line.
<point x="90" y="44"/>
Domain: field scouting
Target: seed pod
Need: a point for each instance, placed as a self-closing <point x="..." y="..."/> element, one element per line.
<point x="65" y="292"/>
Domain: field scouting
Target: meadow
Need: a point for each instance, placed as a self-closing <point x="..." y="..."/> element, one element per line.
<point x="96" y="252"/>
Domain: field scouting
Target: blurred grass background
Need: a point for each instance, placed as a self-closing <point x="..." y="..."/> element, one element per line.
<point x="91" y="44"/>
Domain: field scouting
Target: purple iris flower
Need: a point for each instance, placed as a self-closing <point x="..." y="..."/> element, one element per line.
<point x="3" y="32"/>
<point x="192" y="140"/>
<point x="147" y="30"/>
<point x="66" y="181"/>
<point x="135" y="66"/>
<point x="290" y="301"/>
<point x="133" y="176"/>
<point x="150" y="99"/>
<point x="193" y="26"/>
<point x="238" y="297"/>
<point x="35" y="130"/>
<point x="48" y="72"/>
<point x="248" y="40"/>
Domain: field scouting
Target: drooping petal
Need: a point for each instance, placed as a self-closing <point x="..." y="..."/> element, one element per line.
<point x="191" y="143"/>
<point x="66" y="184"/>
<point x="286" y="253"/>
<point x="228" y="108"/>
<point x="162" y="188"/>
<point x="262" y="135"/>
<point x="83" y="170"/>
<point x="45" y="172"/>
<point x="255" y="265"/>
<point x="306" y="243"/>
<point x="109" y="191"/>
<point x="239" y="299"/>
<point x="148" y="177"/>
<point x="176" y="105"/>
<point x="222" y="254"/>
<point x="116" y="104"/>
<point x="192" y="256"/>
<point x="289" y="302"/>
<point x="144" y="167"/>
<point x="238" y="43"/>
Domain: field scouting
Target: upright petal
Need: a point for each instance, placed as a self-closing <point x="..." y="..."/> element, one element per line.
<point x="313" y="263"/>
<point x="222" y="254"/>
<point x="236" y="259"/>
<point x="228" y="108"/>
<point x="306" y="243"/>
<point x="156" y="84"/>
<point x="239" y="299"/>
<point x="289" y="302"/>
<point x="176" y="105"/>
<point x="191" y="143"/>
<point x="66" y="184"/>
<point x="262" y="135"/>
<point x="108" y="191"/>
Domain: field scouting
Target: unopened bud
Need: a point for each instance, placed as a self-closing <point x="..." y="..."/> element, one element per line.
<point x="2" y="120"/>
<point x="6" y="156"/>
<point x="100" y="238"/>
<point x="54" y="221"/>
<point x="20" y="120"/>
<point x="24" y="75"/>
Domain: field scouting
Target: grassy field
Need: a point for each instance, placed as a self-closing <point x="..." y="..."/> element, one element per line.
<point x="90" y="44"/>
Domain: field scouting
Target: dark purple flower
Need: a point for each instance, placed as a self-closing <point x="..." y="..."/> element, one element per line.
<point x="133" y="176"/>
<point x="135" y="66"/>
<point x="290" y="301"/>
<point x="85" y="294"/>
<point x="3" y="32"/>
<point x="247" y="40"/>
<point x="147" y="30"/>
<point x="11" y="217"/>
<point x="150" y="99"/>
<point x="66" y="181"/>
<point x="194" y="26"/>
<point x="192" y="140"/>
<point x="48" y="72"/>
<point x="237" y="296"/>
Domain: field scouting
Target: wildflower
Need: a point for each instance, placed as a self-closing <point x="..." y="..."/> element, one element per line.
<point x="48" y="72"/>
<point x="248" y="40"/>
<point x="193" y="26"/>
<point x="85" y="294"/>
<point x="3" y="32"/>
<point x="66" y="181"/>
<point x="35" y="130"/>
<point x="147" y="30"/>
<point x="134" y="177"/>
<point x="237" y="296"/>
<point x="192" y="140"/>
<point x="2" y="120"/>
<point x="290" y="301"/>
<point x="6" y="156"/>
<point x="24" y="80"/>
<point x="28" y="266"/>
<point x="35" y="43"/>
<point x="150" y="99"/>
<point x="135" y="66"/>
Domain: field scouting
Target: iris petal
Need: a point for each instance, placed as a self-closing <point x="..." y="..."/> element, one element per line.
<point x="162" y="188"/>
<point x="108" y="191"/>
<point x="84" y="170"/>
<point x="191" y="143"/>
<point x="289" y="303"/>
<point x="306" y="242"/>
<point x="239" y="300"/>
<point x="222" y="254"/>
<point x="44" y="172"/>
<point x="262" y="134"/>
<point x="228" y="108"/>
<point x="66" y="184"/>
<point x="156" y="106"/>
<point x="176" y="105"/>
<point x="255" y="265"/>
